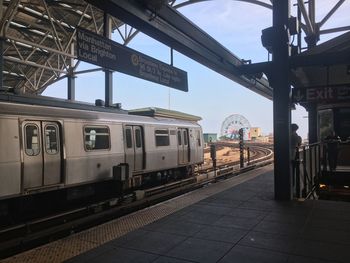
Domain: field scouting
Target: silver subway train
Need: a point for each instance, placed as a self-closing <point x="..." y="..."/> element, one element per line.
<point x="47" y="149"/>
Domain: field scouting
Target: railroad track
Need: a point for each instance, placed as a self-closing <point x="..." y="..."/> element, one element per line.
<point x="257" y="153"/>
<point x="33" y="233"/>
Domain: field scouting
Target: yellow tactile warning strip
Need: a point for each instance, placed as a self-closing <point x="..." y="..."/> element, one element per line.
<point x="71" y="246"/>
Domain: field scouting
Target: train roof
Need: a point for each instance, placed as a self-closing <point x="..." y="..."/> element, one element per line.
<point x="47" y="107"/>
<point x="159" y="112"/>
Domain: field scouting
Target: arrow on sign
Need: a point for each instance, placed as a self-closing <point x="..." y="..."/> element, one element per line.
<point x="298" y="96"/>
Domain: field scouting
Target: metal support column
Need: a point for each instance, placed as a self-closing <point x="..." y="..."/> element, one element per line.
<point x="241" y="148"/>
<point x="1" y="63"/>
<point x="71" y="86"/>
<point x="312" y="112"/>
<point x="1" y="50"/>
<point x="107" y="31"/>
<point x="71" y="78"/>
<point x="281" y="104"/>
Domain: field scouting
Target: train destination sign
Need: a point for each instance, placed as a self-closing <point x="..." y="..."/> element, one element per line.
<point x="321" y="94"/>
<point x="101" y="51"/>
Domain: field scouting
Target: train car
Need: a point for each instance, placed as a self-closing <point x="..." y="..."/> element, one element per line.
<point x="75" y="153"/>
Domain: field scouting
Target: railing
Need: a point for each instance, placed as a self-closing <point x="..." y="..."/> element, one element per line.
<point x="306" y="170"/>
<point x="326" y="164"/>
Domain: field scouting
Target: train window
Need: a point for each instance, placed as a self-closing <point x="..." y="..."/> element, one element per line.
<point x="51" y="140"/>
<point x="179" y="137"/>
<point x="162" y="138"/>
<point x="32" y="140"/>
<point x="128" y="138"/>
<point x="138" y="138"/>
<point x="199" y="138"/>
<point x="185" y="137"/>
<point x="96" y="138"/>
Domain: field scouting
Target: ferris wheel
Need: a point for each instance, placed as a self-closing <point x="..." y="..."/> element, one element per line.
<point x="231" y="125"/>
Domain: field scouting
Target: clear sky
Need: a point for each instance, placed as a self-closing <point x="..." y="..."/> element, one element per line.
<point x="237" y="26"/>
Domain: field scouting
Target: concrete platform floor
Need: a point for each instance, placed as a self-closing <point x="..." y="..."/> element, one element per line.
<point x="241" y="224"/>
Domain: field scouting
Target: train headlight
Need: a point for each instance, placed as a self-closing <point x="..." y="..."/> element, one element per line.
<point x="323" y="186"/>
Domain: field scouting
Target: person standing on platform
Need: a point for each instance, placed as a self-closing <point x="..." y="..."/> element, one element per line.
<point x="295" y="140"/>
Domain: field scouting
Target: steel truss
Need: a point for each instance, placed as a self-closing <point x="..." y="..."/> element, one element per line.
<point x="38" y="40"/>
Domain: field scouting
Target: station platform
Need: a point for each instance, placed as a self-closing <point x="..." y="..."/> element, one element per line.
<point x="236" y="220"/>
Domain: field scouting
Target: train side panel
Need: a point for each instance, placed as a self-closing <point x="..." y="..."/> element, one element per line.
<point x="10" y="161"/>
<point x="160" y="157"/>
<point x="64" y="147"/>
<point x="85" y="165"/>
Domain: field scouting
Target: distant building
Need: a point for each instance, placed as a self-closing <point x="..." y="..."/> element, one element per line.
<point x="262" y="139"/>
<point x="210" y="137"/>
<point x="255" y="133"/>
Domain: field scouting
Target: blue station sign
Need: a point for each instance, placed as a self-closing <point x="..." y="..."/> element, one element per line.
<point x="101" y="51"/>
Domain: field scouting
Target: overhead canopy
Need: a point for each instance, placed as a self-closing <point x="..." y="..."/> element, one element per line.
<point x="328" y="72"/>
<point x="40" y="37"/>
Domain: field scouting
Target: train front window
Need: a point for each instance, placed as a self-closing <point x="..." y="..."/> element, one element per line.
<point x="32" y="140"/>
<point x="51" y="140"/>
<point x="96" y="138"/>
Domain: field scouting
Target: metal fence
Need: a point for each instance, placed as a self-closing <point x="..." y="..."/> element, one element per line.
<point x="326" y="164"/>
<point x="306" y="170"/>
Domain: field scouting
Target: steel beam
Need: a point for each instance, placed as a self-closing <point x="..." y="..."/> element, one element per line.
<point x="334" y="30"/>
<point x="302" y="60"/>
<point x="255" y="2"/>
<point x="330" y="13"/>
<point x="309" y="25"/>
<point x="174" y="30"/>
<point x="1" y="63"/>
<point x="33" y="64"/>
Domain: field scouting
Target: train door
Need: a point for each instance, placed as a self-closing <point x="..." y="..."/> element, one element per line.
<point x="134" y="153"/>
<point x="42" y="154"/>
<point x="51" y="153"/>
<point x="183" y="146"/>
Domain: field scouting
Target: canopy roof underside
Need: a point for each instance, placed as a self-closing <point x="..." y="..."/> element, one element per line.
<point x="324" y="75"/>
<point x="39" y="42"/>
